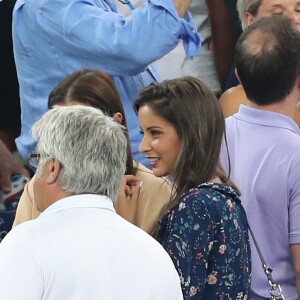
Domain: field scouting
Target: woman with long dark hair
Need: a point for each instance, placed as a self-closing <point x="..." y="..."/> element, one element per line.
<point x="204" y="226"/>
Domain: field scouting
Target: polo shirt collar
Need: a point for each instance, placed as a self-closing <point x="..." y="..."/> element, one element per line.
<point x="266" y="118"/>
<point x="81" y="201"/>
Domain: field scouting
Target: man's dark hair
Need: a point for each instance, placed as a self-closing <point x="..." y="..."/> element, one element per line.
<point x="268" y="59"/>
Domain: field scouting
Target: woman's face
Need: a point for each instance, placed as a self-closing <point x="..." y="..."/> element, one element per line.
<point x="290" y="8"/>
<point x="161" y="143"/>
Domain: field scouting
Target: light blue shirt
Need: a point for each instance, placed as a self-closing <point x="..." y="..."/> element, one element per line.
<point x="53" y="38"/>
<point x="264" y="150"/>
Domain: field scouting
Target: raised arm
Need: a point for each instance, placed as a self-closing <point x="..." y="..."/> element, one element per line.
<point x="116" y="45"/>
<point x="223" y="37"/>
<point x="181" y="7"/>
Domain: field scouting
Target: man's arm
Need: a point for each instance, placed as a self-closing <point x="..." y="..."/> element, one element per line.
<point x="120" y="46"/>
<point x="181" y="7"/>
<point x="223" y="37"/>
<point x="9" y="166"/>
<point x="296" y="260"/>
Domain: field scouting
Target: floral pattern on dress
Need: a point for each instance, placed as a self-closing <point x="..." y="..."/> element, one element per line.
<point x="206" y="236"/>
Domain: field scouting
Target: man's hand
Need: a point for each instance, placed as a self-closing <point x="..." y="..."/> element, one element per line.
<point x="9" y="166"/>
<point x="181" y="7"/>
<point x="127" y="200"/>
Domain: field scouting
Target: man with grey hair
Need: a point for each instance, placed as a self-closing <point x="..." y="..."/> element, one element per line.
<point x="79" y="248"/>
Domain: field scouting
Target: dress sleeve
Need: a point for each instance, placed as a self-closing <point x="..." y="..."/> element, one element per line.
<point x="118" y="46"/>
<point x="189" y="242"/>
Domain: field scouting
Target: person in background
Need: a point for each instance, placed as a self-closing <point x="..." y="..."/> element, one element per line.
<point x="11" y="167"/>
<point x="211" y="65"/>
<point x="204" y="227"/>
<point x="224" y="34"/>
<point x="52" y="39"/>
<point x="79" y="248"/>
<point x="94" y="88"/>
<point x="231" y="79"/>
<point x="249" y="12"/>
<point x="10" y="119"/>
<point x="263" y="145"/>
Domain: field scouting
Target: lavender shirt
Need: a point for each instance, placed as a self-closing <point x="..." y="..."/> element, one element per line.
<point x="264" y="150"/>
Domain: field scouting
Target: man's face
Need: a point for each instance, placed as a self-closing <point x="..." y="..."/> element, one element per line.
<point x="289" y="8"/>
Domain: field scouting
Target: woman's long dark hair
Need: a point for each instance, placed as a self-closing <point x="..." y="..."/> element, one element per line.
<point x="93" y="88"/>
<point x="195" y="113"/>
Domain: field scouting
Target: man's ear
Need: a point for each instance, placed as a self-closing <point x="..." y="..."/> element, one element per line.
<point x="237" y="75"/>
<point x="118" y="117"/>
<point x="249" y="18"/>
<point x="52" y="170"/>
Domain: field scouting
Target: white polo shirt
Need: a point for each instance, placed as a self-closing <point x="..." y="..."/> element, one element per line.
<point x="80" y="249"/>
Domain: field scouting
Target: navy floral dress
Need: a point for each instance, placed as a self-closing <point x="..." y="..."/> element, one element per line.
<point x="206" y="236"/>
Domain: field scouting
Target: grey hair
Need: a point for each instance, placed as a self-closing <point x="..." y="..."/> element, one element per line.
<point x="90" y="146"/>
<point x="244" y="6"/>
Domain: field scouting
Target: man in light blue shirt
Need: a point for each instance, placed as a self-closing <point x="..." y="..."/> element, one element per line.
<point x="53" y="38"/>
<point x="264" y="150"/>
